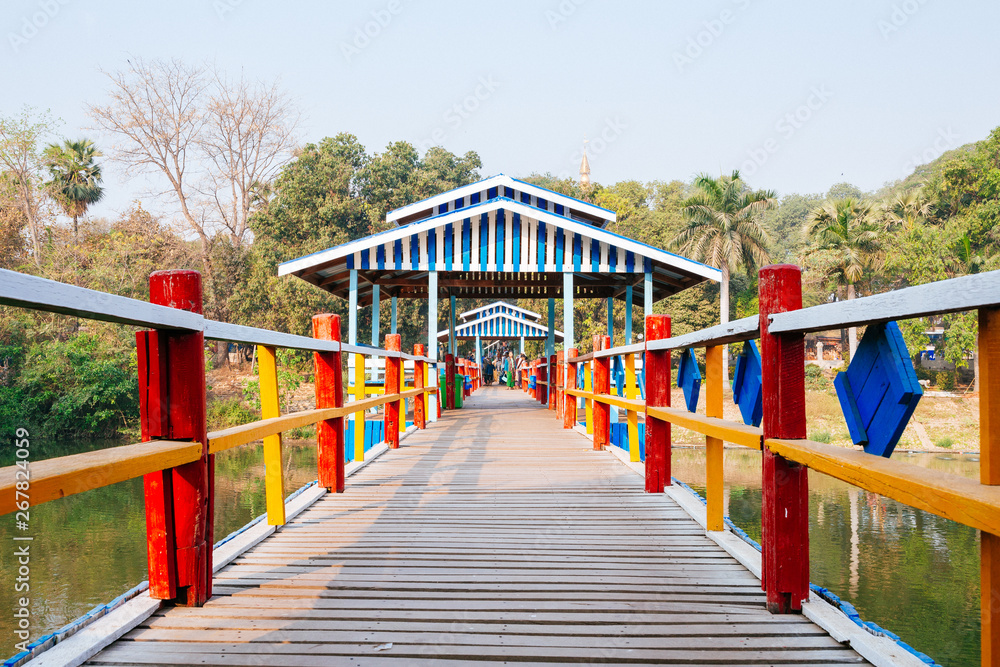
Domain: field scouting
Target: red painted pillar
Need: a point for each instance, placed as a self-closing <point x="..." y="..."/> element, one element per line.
<point x="602" y="385"/>
<point x="393" y="385"/>
<point x="569" y="401"/>
<point x="785" y="501"/>
<point x="179" y="501"/>
<point x="449" y="381"/>
<point x="560" y="377"/>
<point x="542" y="377"/>
<point x="553" y="389"/>
<point x="420" y="401"/>
<point x="657" y="395"/>
<point x="329" y="394"/>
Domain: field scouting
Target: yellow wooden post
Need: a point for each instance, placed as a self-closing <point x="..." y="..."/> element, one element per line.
<point x="359" y="417"/>
<point x="270" y="407"/>
<point x="631" y="393"/>
<point x="588" y="386"/>
<point x="713" y="446"/>
<point x="989" y="473"/>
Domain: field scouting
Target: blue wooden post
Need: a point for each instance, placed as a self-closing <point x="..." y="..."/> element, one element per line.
<point x="393" y="325"/>
<point x="376" y="314"/>
<point x="432" y="343"/>
<point x="628" y="315"/>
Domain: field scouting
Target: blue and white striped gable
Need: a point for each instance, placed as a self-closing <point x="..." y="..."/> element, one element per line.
<point x="502" y="308"/>
<point x="499" y="247"/>
<point x="501" y="325"/>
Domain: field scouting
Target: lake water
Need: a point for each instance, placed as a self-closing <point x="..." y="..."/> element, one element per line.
<point x="911" y="572"/>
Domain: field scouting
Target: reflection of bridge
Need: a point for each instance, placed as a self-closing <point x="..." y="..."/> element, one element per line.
<point x="494" y="534"/>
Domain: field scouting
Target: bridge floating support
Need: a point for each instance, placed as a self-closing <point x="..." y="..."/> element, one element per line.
<point x="785" y="495"/>
<point x="657" y="370"/>
<point x="329" y="394"/>
<point x="179" y="502"/>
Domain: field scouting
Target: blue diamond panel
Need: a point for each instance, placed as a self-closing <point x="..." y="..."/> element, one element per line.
<point x="879" y="390"/>
<point x="689" y="379"/>
<point x="747" y="386"/>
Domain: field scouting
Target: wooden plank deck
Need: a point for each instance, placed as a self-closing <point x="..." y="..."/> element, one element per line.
<point x="492" y="537"/>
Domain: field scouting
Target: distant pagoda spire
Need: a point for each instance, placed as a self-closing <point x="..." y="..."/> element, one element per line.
<point x="585" y="168"/>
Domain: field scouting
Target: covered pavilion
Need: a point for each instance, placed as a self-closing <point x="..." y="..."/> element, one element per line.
<point x="498" y="238"/>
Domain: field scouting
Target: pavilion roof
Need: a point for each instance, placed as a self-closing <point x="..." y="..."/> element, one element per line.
<point x="499" y="248"/>
<point x="501" y="325"/>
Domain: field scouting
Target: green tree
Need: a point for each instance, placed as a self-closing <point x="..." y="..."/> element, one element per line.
<point x="724" y="229"/>
<point x="847" y="245"/>
<point x="76" y="177"/>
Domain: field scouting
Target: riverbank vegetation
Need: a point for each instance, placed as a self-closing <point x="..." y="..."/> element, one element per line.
<point x="248" y="200"/>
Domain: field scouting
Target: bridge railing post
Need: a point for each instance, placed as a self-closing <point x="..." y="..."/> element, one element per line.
<point x="553" y="388"/>
<point x="569" y="401"/>
<point x="785" y="497"/>
<point x="989" y="473"/>
<point x="270" y="407"/>
<point x="329" y="378"/>
<point x="714" y="492"/>
<point x="419" y="382"/>
<point x="179" y="501"/>
<point x="393" y="385"/>
<point x="632" y="416"/>
<point x="657" y="395"/>
<point x="588" y="386"/>
<point x="560" y="378"/>
<point x="602" y="385"/>
<point x="542" y="382"/>
<point x="449" y="382"/>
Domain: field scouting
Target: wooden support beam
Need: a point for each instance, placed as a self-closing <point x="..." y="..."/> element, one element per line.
<point x="713" y="445"/>
<point x="330" y="457"/>
<point x="270" y="407"/>
<point x="657" y="395"/>
<point x="785" y="493"/>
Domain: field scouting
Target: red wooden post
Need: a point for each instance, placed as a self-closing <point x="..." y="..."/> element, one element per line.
<point x="179" y="502"/>
<point x="559" y="376"/>
<point x="393" y="385"/>
<point x="553" y="377"/>
<point x="569" y="401"/>
<point x="602" y="385"/>
<point x="657" y="395"/>
<point x="543" y="377"/>
<point x="449" y="381"/>
<point x="420" y="401"/>
<point x="329" y="394"/>
<point x="785" y="502"/>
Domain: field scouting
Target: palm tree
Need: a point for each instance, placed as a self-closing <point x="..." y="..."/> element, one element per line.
<point x="907" y="209"/>
<point x="723" y="229"/>
<point x="846" y="231"/>
<point x="76" y="178"/>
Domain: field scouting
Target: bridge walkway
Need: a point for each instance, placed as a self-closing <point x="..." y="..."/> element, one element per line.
<point x="492" y="537"/>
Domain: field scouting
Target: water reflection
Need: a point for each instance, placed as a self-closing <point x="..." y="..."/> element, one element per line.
<point x="90" y="548"/>
<point x="911" y="572"/>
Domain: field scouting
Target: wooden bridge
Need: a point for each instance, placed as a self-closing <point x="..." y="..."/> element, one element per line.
<point x="492" y="537"/>
<point x="499" y="532"/>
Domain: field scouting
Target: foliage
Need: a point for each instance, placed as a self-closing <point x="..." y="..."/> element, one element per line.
<point x="76" y="177"/>
<point x="816" y="380"/>
<point x="944" y="443"/>
<point x="822" y="436"/>
<point x="945" y="380"/>
<point x="226" y="412"/>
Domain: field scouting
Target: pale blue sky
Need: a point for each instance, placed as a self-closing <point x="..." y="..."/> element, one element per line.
<point x="889" y="82"/>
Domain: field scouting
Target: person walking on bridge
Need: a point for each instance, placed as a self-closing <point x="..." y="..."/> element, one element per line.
<point x="509" y="368"/>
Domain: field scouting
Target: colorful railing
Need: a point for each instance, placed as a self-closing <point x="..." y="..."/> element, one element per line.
<point x="787" y="453"/>
<point x="176" y="455"/>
